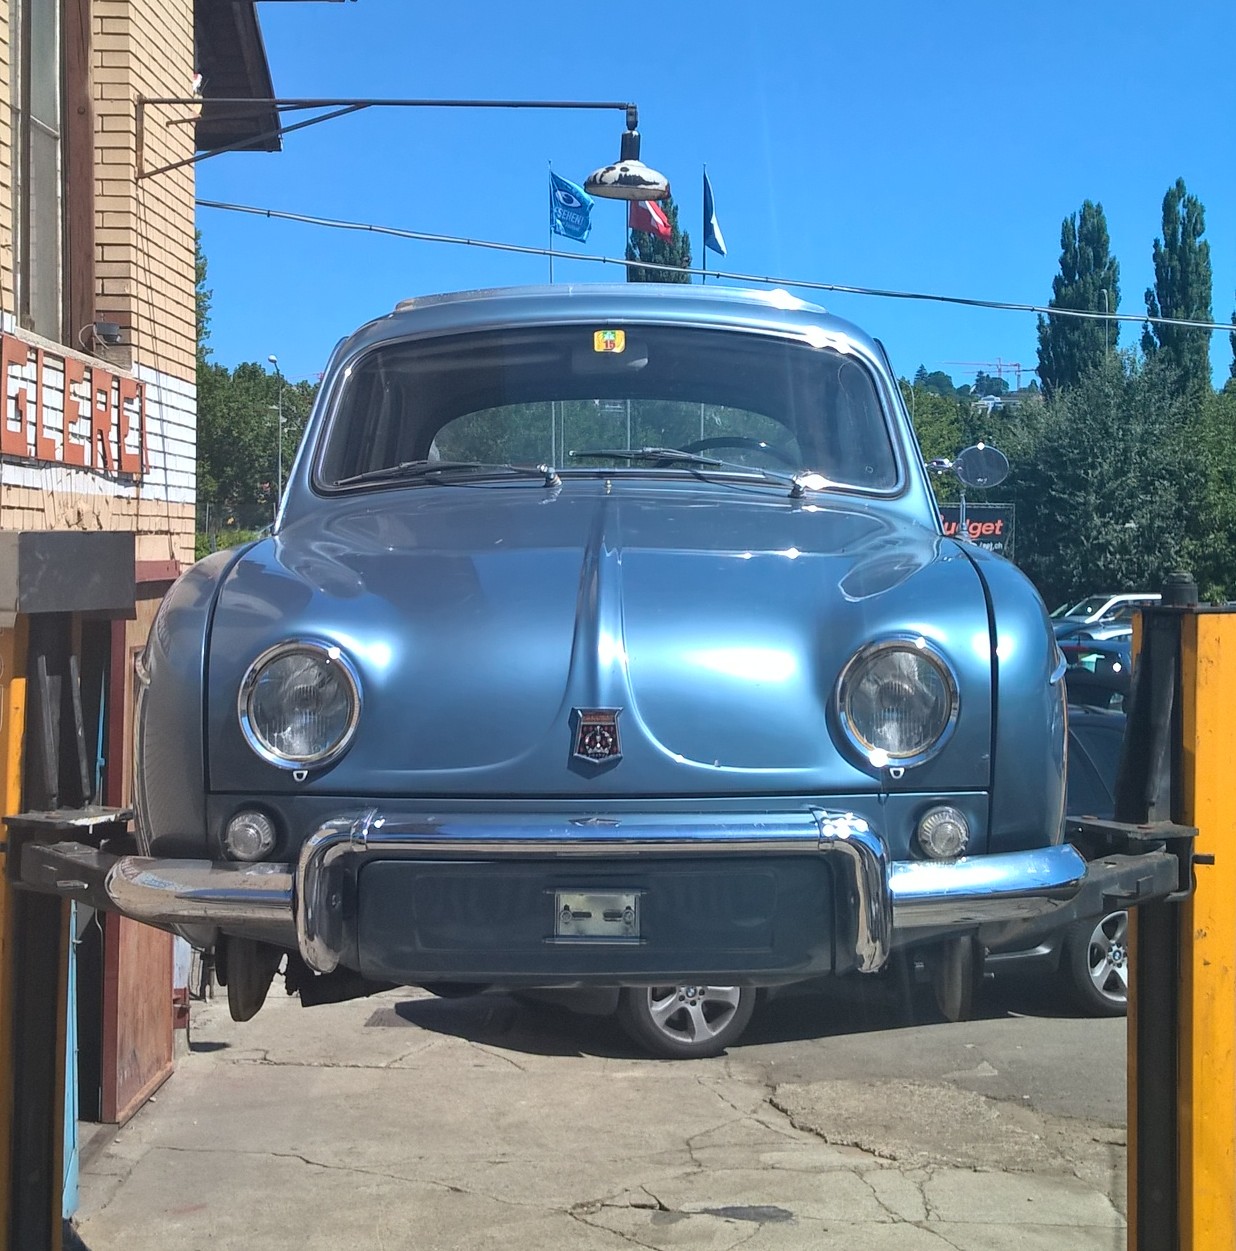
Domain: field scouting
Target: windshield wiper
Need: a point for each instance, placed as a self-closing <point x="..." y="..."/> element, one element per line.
<point x="649" y="453"/>
<point x="799" y="483"/>
<point x="436" y="468"/>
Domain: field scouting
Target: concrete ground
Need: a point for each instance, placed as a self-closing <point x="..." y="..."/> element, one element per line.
<point x="411" y="1122"/>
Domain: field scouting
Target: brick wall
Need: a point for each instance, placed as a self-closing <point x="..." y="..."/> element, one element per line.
<point x="144" y="258"/>
<point x="144" y="278"/>
<point x="8" y="291"/>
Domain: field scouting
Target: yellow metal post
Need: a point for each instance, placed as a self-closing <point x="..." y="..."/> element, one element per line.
<point x="1207" y="1074"/>
<point x="12" y="728"/>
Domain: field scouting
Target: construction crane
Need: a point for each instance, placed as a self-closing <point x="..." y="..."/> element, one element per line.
<point x="1000" y="367"/>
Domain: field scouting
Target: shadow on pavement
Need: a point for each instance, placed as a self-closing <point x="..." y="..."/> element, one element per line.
<point x="851" y="1005"/>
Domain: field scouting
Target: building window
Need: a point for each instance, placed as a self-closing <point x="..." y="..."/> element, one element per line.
<point x="39" y="200"/>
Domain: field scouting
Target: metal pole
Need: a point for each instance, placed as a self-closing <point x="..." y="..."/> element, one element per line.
<point x="274" y="360"/>
<point x="1182" y="997"/>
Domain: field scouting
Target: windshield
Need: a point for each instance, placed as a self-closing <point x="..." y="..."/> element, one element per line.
<point x="1084" y="607"/>
<point x="566" y="395"/>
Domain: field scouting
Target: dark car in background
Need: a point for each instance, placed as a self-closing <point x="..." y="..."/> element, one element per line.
<point x="1099" y="673"/>
<point x="1090" y="955"/>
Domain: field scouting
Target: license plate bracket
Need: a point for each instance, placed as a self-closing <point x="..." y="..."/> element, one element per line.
<point x="597" y="916"/>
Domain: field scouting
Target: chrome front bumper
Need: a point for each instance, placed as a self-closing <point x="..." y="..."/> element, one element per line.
<point x="301" y="906"/>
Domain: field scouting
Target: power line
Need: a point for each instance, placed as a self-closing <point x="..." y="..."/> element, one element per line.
<point x="1008" y="306"/>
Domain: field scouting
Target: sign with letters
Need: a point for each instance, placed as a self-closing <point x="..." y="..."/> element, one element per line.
<point x="987" y="525"/>
<point x="67" y="410"/>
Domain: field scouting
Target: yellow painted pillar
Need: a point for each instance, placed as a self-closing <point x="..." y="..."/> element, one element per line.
<point x="1207" y="1055"/>
<point x="12" y="729"/>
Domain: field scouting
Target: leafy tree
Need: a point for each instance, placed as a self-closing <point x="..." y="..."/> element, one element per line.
<point x="938" y="383"/>
<point x="238" y="429"/>
<point x="937" y="421"/>
<point x="1101" y="480"/>
<point x="202" y="297"/>
<point x="1089" y="278"/>
<point x="1182" y="288"/>
<point x="989" y="384"/>
<point x="676" y="250"/>
<point x="1211" y="471"/>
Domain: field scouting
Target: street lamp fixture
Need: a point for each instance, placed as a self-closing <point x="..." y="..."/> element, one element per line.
<point x="628" y="178"/>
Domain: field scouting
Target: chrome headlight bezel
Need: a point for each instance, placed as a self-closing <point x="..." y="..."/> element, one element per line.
<point x="326" y="653"/>
<point x="915" y="645"/>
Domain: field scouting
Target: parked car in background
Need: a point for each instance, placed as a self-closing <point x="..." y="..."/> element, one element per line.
<point x="1102" y="616"/>
<point x="606" y="638"/>
<point x="1099" y="673"/>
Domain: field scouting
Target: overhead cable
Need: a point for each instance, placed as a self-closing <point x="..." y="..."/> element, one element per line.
<point x="425" y="236"/>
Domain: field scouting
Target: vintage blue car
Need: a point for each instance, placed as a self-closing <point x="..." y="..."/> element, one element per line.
<point x="607" y="638"/>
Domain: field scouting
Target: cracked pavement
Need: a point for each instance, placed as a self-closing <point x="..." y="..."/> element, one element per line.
<point x="407" y="1121"/>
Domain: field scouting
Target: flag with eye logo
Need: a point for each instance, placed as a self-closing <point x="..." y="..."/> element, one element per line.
<point x="570" y="208"/>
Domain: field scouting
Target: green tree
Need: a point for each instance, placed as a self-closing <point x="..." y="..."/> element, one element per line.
<point x="1089" y="278"/>
<point x="1101" y="480"/>
<point x="202" y="297"/>
<point x="1182" y="288"/>
<point x="676" y="250"/>
<point x="938" y="383"/>
<point x="989" y="384"/>
<point x="238" y="429"/>
<point x="938" y="423"/>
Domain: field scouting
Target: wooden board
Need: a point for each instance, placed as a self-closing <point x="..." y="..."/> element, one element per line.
<point x="137" y="1015"/>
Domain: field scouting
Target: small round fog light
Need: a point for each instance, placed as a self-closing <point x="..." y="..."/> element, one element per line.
<point x="249" y="836"/>
<point x="943" y="833"/>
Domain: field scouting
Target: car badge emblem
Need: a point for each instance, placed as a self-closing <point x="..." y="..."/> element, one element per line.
<point x="596" y="734"/>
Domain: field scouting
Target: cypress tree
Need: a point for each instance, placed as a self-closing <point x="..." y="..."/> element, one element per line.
<point x="1089" y="278"/>
<point x="676" y="250"/>
<point x="1182" y="286"/>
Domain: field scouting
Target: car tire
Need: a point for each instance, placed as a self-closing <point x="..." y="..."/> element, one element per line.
<point x="685" y="1022"/>
<point x="1096" y="960"/>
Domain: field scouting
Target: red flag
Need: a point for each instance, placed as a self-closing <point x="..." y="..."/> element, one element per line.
<point x="649" y="216"/>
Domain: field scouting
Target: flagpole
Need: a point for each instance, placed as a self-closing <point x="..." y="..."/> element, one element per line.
<point x="551" y="227"/>
<point x="704" y="253"/>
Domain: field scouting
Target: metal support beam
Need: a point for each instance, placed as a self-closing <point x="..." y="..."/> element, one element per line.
<point x="340" y="107"/>
<point x="1182" y="1004"/>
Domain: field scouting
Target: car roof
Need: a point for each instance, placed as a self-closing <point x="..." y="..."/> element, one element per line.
<point x="773" y="311"/>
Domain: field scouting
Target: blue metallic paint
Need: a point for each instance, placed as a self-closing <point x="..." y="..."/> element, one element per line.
<point x="717" y="614"/>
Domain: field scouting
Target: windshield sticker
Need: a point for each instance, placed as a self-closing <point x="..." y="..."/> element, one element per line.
<point x="609" y="340"/>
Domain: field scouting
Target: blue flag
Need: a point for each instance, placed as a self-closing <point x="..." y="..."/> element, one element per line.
<point x="713" y="237"/>
<point x="570" y="208"/>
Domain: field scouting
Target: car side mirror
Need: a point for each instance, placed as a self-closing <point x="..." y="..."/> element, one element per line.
<point x="981" y="466"/>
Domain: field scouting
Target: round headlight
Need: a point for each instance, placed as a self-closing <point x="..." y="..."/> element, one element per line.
<point x="896" y="701"/>
<point x="299" y="704"/>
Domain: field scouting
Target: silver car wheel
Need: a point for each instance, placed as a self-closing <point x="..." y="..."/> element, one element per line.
<point x="1096" y="959"/>
<point x="686" y="1022"/>
<point x="1109" y="956"/>
<point x="692" y="1014"/>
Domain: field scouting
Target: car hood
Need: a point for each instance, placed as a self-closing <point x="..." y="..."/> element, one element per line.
<point x="713" y="620"/>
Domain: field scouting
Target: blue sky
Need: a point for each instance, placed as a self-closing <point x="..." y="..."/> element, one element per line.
<point x="895" y="144"/>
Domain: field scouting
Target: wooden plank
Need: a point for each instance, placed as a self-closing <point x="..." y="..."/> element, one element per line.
<point x="137" y="960"/>
<point x="12" y="724"/>
<point x="137" y="1015"/>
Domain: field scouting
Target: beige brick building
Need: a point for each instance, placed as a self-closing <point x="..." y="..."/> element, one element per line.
<point x="99" y="435"/>
<point x="97" y="486"/>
